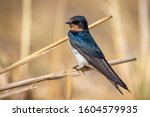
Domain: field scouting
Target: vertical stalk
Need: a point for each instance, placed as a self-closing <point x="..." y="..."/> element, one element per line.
<point x="120" y="40"/>
<point x="26" y="28"/>
<point x="22" y="72"/>
<point x="58" y="31"/>
<point x="26" y="33"/>
<point x="144" y="44"/>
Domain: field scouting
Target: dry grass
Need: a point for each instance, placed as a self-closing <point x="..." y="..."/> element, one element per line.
<point x="126" y="35"/>
<point x="53" y="76"/>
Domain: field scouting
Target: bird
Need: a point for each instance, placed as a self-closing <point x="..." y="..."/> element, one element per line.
<point x="88" y="53"/>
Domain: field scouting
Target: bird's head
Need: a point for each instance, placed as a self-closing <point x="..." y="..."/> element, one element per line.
<point x="77" y="23"/>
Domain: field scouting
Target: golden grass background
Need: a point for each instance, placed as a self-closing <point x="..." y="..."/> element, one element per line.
<point x="28" y="25"/>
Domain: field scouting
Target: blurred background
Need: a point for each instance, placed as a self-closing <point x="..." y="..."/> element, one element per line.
<point x="29" y="25"/>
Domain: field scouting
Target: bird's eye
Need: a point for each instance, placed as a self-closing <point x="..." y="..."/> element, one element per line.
<point x="75" y="22"/>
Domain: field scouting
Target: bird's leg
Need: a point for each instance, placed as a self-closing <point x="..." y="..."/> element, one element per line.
<point x="81" y="68"/>
<point x="75" y="67"/>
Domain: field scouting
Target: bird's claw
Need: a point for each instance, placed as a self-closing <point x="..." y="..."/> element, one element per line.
<point x="83" y="69"/>
<point x="76" y="68"/>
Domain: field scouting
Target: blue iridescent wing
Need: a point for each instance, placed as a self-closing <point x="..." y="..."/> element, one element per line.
<point x="86" y="46"/>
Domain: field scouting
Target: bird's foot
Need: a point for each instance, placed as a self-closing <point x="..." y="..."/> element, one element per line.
<point x="81" y="68"/>
<point x="75" y="67"/>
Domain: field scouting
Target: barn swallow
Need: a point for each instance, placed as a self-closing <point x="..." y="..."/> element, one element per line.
<point x="88" y="53"/>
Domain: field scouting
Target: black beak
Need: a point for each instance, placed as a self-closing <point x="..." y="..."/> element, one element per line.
<point x="68" y="22"/>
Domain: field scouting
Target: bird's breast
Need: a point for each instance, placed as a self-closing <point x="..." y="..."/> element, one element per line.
<point x="81" y="60"/>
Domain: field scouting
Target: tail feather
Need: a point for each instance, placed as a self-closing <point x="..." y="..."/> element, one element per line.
<point x="116" y="86"/>
<point x="103" y="66"/>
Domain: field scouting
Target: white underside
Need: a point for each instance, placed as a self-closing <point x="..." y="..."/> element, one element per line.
<point x="81" y="60"/>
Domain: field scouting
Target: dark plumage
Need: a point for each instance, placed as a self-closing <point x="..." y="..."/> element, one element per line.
<point x="82" y="41"/>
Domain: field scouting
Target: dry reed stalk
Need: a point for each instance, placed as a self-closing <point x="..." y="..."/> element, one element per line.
<point x="144" y="28"/>
<point x="25" y="37"/>
<point x="52" y="76"/>
<point x="120" y="40"/>
<point x="144" y="47"/>
<point x="26" y="28"/>
<point x="68" y="88"/>
<point x="16" y="91"/>
<point x="45" y="49"/>
<point x="55" y="76"/>
<point x="117" y="61"/>
<point x="25" y="43"/>
<point x="58" y="30"/>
